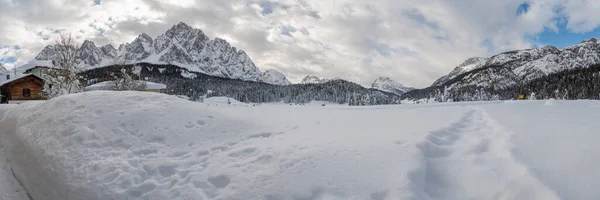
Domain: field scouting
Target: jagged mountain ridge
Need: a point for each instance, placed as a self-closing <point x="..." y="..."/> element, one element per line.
<point x="274" y="77"/>
<point x="388" y="85"/>
<point x="181" y="45"/>
<point x="522" y="66"/>
<point x="481" y="78"/>
<point x="310" y="79"/>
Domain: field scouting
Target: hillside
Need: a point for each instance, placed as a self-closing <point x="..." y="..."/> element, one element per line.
<point x="510" y="74"/>
<point x="195" y="85"/>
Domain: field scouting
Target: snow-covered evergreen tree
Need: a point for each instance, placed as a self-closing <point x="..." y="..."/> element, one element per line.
<point x="532" y="96"/>
<point x="125" y="81"/>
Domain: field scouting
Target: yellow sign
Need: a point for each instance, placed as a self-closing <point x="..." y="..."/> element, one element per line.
<point x="521" y="96"/>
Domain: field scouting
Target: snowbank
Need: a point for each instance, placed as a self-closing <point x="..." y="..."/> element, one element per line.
<point x="115" y="145"/>
<point x="550" y="102"/>
<point x="136" y="145"/>
<point x="10" y="188"/>
<point x="107" y="85"/>
<point x="221" y="100"/>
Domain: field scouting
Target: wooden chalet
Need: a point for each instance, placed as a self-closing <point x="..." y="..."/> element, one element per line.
<point x="26" y="87"/>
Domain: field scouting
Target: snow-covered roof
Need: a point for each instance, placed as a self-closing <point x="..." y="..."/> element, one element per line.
<point x="35" y="63"/>
<point x="19" y="76"/>
<point x="106" y="85"/>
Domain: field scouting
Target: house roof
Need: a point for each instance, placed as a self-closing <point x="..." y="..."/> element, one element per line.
<point x="106" y="85"/>
<point x="42" y="67"/>
<point x="33" y="64"/>
<point x="21" y="76"/>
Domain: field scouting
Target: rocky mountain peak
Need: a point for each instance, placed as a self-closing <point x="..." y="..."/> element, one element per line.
<point x="388" y="85"/>
<point x="591" y="40"/>
<point x="181" y="26"/>
<point x="471" y="61"/>
<point x="275" y="77"/>
<point x="88" y="44"/>
<point x="109" y="50"/>
<point x="143" y="38"/>
<point x="48" y="53"/>
<point x="180" y="45"/>
<point x="314" y="79"/>
<point x="89" y="54"/>
<point x="550" y="48"/>
<point x="311" y="79"/>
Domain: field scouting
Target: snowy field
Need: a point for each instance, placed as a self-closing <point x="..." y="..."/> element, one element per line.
<point x="131" y="145"/>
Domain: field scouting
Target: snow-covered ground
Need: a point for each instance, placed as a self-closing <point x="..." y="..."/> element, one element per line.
<point x="10" y="188"/>
<point x="133" y="145"/>
<point x="226" y="100"/>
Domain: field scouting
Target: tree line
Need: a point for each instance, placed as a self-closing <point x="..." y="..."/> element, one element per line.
<point x="578" y="83"/>
<point x="197" y="85"/>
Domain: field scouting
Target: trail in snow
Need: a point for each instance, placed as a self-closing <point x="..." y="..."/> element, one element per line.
<point x="471" y="159"/>
<point x="9" y="187"/>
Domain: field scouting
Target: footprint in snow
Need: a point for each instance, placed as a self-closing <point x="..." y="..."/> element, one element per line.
<point x="219" y="181"/>
<point x="98" y="112"/>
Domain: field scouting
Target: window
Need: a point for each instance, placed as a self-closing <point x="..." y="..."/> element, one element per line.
<point x="26" y="92"/>
<point x="7" y="77"/>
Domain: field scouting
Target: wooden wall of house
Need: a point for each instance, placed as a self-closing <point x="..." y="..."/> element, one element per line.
<point x="36" y="86"/>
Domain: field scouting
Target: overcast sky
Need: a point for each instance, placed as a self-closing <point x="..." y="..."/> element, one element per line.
<point x="411" y="41"/>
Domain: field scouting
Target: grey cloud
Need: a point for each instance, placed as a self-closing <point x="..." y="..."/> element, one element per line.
<point x="414" y="42"/>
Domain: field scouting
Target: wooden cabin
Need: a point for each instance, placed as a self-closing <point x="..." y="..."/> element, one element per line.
<point x="26" y="87"/>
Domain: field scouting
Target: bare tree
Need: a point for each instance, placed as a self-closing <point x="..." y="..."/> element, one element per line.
<point x="3" y="70"/>
<point x="63" y="77"/>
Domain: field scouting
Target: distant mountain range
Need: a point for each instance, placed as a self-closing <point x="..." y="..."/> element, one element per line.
<point x="523" y="65"/>
<point x="385" y="84"/>
<point x="512" y="70"/>
<point x="181" y="45"/>
<point x="191" y="49"/>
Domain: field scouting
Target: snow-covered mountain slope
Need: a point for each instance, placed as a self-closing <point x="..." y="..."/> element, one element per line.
<point x="181" y="45"/>
<point x="468" y="65"/>
<point x="274" y="77"/>
<point x="388" y="85"/>
<point x="525" y="65"/>
<point x="138" y="145"/>
<point x="315" y="80"/>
